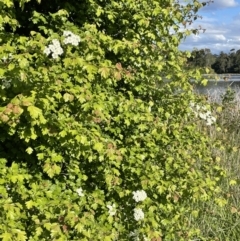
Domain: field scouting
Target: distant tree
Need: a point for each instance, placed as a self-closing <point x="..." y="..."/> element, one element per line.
<point x="201" y="58"/>
<point x="222" y="64"/>
<point x="236" y="66"/>
<point x="232" y="56"/>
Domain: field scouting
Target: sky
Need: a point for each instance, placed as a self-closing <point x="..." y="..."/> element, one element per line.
<point x="221" y="20"/>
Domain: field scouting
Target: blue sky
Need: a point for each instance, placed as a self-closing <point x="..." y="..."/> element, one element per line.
<point x="221" y="20"/>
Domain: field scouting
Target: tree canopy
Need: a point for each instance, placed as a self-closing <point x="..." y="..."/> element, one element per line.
<point x="221" y="63"/>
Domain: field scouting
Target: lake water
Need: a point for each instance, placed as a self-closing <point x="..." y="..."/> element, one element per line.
<point x="215" y="88"/>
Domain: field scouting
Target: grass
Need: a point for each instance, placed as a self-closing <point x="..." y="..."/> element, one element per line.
<point x="222" y="222"/>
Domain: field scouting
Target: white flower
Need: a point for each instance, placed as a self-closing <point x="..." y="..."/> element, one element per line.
<point x="54" y="48"/>
<point x="47" y="51"/>
<point x="56" y="43"/>
<point x="138" y="214"/>
<point x="80" y="192"/>
<point x="208" y="113"/>
<point x="67" y="33"/>
<point x="71" y="38"/>
<point x="139" y="195"/>
<point x="203" y="113"/>
<point x="54" y="55"/>
<point x="213" y="119"/>
<point x="111" y="209"/>
<point x="4" y="59"/>
<point x="202" y="116"/>
<point x="209" y="123"/>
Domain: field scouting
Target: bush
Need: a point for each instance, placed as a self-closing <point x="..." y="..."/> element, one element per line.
<point x="90" y="148"/>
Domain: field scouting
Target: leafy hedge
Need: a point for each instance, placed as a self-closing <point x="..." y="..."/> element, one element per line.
<point x="91" y="147"/>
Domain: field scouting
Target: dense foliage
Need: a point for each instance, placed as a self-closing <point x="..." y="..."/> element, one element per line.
<point x="93" y="145"/>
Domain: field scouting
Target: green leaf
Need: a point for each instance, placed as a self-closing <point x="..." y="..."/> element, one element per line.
<point x="39" y="231"/>
<point x="63" y="133"/>
<point x="34" y="111"/>
<point x="29" y="150"/>
<point x="6" y="236"/>
<point x="104" y="71"/>
<point x="11" y="66"/>
<point x="98" y="146"/>
<point x="204" y="82"/>
<point x="67" y="97"/>
<point x="30" y="204"/>
<point x="23" y="63"/>
<point x="21" y="235"/>
<point x="40" y="156"/>
<point x="52" y="170"/>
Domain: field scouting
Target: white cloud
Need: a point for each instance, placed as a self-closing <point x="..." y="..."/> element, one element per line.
<point x="219" y="37"/>
<point x="222" y="29"/>
<point x="219" y="4"/>
<point x="225" y="3"/>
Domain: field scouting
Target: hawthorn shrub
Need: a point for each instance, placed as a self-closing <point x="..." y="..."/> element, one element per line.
<point x="94" y="144"/>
